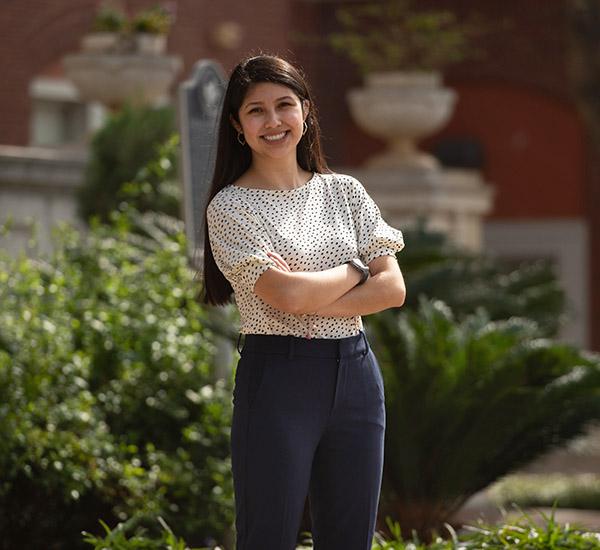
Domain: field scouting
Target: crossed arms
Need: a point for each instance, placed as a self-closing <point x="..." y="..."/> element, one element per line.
<point x="332" y="292"/>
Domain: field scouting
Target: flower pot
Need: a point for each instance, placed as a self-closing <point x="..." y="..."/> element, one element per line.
<point x="150" y="44"/>
<point x="100" y="42"/>
<point x="402" y="107"/>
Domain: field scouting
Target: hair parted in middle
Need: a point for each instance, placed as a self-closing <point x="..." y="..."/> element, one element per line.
<point x="233" y="158"/>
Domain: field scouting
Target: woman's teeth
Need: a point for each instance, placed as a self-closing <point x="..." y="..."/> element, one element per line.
<point x="275" y="137"/>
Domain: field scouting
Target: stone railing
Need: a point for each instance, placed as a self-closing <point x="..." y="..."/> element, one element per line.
<point x="37" y="190"/>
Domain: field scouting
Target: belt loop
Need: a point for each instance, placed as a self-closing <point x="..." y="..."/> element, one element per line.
<point x="238" y="343"/>
<point x="291" y="347"/>
<point x="364" y="336"/>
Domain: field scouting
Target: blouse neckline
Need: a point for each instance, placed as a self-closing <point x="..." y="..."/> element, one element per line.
<point x="299" y="188"/>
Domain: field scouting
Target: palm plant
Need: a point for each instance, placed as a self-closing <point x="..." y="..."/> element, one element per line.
<point x="434" y="267"/>
<point x="468" y="402"/>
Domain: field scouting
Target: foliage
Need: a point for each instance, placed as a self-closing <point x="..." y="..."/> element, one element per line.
<point x="390" y="35"/>
<point x="118" y="538"/>
<point x="156" y="20"/>
<point x="468" y="402"/>
<point x="109" y="19"/>
<point x="109" y="406"/>
<point x="124" y="146"/>
<point x="567" y="491"/>
<point x="524" y="532"/>
<point x="154" y="187"/>
<point x="435" y="268"/>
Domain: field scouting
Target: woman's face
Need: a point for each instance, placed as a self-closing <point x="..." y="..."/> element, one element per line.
<point x="271" y="119"/>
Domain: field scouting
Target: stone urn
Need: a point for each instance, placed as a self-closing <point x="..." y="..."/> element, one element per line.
<point x="115" y="78"/>
<point x="402" y="107"/>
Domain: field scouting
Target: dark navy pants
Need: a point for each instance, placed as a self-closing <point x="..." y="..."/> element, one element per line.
<point x="308" y="418"/>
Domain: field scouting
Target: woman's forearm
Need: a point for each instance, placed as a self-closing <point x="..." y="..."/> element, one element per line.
<point x="304" y="291"/>
<point x="379" y="292"/>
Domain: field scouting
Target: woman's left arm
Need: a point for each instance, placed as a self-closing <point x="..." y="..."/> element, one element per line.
<point x="384" y="289"/>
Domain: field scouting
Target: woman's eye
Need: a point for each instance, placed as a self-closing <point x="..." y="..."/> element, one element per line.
<point x="254" y="110"/>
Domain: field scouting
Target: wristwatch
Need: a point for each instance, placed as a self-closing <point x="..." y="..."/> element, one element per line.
<point x="361" y="268"/>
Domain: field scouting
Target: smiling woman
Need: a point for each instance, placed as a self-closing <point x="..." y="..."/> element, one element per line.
<point x="306" y="253"/>
<point x="271" y="121"/>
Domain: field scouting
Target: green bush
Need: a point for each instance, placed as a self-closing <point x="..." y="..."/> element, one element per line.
<point x="126" y="144"/>
<point x="465" y="281"/>
<point x="109" y="405"/>
<point x="468" y="402"/>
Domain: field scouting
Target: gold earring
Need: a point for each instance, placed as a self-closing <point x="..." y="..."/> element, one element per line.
<point x="305" y="129"/>
<point x="241" y="139"/>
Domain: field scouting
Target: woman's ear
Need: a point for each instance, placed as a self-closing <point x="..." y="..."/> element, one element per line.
<point x="305" y="107"/>
<point x="235" y="124"/>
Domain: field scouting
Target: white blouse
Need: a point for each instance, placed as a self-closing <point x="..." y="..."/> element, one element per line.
<point x="320" y="225"/>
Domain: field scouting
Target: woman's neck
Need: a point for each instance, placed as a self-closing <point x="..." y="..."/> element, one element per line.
<point x="275" y="176"/>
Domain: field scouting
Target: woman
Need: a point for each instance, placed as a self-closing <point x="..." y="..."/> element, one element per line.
<point x="291" y="239"/>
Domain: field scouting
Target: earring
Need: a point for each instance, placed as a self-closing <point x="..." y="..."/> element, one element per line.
<point x="241" y="139"/>
<point x="305" y="129"/>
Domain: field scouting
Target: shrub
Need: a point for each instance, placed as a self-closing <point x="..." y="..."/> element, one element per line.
<point x="109" y="19"/>
<point x="156" y="20"/>
<point x="468" y="402"/>
<point x="391" y="35"/>
<point x="435" y="268"/>
<point x="109" y="407"/>
<point x="125" y="145"/>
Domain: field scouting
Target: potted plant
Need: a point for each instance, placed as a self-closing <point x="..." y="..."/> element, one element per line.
<point x="108" y="25"/>
<point x="400" y="53"/>
<point x="151" y="27"/>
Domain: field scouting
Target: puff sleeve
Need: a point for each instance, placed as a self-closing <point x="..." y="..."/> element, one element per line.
<point x="239" y="243"/>
<point x="374" y="236"/>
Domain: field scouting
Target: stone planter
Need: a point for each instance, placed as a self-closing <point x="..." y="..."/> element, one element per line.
<point x="150" y="44"/>
<point x="402" y="107"/>
<point x="113" y="79"/>
<point x="100" y="42"/>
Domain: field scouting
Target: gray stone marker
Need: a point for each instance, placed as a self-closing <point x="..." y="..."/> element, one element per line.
<point x="200" y="98"/>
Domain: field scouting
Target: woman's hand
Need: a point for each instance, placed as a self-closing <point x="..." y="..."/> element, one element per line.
<point x="281" y="263"/>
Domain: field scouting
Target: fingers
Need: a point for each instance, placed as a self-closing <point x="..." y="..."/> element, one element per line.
<point x="281" y="263"/>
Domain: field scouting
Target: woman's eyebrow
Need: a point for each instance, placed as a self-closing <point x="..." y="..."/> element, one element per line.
<point x="260" y="102"/>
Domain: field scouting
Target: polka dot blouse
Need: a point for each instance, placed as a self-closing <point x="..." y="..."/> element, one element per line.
<point x="317" y="226"/>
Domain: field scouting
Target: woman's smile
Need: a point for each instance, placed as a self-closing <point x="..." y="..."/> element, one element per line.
<point x="276" y="138"/>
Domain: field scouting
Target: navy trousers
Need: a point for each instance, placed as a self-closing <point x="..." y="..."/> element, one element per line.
<point x="308" y="419"/>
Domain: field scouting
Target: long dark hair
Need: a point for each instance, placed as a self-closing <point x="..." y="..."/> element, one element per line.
<point x="233" y="159"/>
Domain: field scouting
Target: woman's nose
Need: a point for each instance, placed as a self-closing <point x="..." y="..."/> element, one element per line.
<point x="271" y="118"/>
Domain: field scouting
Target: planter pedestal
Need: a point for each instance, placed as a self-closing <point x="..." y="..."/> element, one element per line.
<point x="452" y="201"/>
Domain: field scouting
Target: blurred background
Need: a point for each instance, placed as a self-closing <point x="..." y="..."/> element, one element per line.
<point x="474" y="124"/>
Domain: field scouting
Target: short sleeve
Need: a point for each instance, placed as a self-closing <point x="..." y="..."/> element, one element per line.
<point x="239" y="243"/>
<point x="374" y="236"/>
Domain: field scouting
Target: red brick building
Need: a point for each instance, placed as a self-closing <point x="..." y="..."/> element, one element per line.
<point x="516" y="102"/>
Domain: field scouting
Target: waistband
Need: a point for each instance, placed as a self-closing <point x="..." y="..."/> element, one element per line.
<point x="308" y="347"/>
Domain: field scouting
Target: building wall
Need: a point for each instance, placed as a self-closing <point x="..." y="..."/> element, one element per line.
<point x="515" y="99"/>
<point x="37" y="33"/>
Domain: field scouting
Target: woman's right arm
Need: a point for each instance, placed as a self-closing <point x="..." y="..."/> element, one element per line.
<point x="300" y="292"/>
